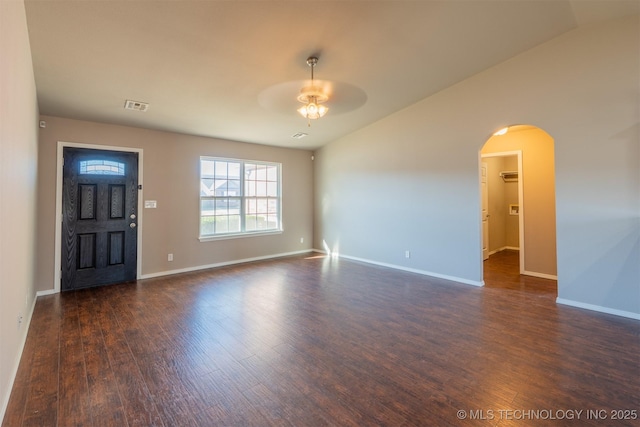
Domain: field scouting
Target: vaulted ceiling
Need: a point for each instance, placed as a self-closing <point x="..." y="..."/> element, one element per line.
<point x="233" y="69"/>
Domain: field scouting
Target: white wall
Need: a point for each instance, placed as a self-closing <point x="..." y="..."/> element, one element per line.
<point x="411" y="181"/>
<point x="18" y="162"/>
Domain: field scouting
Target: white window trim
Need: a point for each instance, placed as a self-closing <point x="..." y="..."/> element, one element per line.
<point x="242" y="234"/>
<point x="239" y="235"/>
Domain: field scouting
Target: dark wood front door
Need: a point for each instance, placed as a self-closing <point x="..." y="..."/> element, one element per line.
<point x="100" y="217"/>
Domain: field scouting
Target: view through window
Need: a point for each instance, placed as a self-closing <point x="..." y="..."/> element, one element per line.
<point x="238" y="197"/>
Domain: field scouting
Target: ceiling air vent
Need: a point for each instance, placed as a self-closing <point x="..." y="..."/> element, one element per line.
<point x="299" y="135"/>
<point x="136" y="105"/>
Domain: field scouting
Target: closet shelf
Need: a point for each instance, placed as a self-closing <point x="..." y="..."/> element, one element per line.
<point x="509" y="176"/>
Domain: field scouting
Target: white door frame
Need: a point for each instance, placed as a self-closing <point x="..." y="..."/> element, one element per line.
<point x="484" y="209"/>
<point x="517" y="153"/>
<point x="57" y="275"/>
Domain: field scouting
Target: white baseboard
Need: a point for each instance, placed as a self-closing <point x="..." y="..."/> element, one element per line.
<point x="47" y="292"/>
<point x="222" y="264"/>
<point x="601" y="309"/>
<point x="414" y="270"/>
<point x="504" y="248"/>
<point x="200" y="267"/>
<point x="541" y="275"/>
<point x="16" y="362"/>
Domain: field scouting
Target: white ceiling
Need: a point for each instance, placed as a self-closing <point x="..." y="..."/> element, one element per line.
<point x="232" y="69"/>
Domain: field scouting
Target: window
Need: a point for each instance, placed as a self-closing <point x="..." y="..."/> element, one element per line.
<point x="101" y="167"/>
<point x="238" y="197"/>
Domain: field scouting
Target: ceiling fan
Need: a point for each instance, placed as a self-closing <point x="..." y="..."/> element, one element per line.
<point x="312" y="97"/>
<point x="317" y="96"/>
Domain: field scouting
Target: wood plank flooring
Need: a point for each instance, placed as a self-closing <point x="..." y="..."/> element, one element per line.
<point x="315" y="341"/>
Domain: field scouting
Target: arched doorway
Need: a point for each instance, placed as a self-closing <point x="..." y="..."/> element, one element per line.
<point x="518" y="174"/>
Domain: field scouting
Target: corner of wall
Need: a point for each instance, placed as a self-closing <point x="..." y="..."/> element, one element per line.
<point x="18" y="168"/>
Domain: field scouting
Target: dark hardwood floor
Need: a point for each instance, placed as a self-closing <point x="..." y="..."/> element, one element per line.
<point x="502" y="270"/>
<point x="314" y="341"/>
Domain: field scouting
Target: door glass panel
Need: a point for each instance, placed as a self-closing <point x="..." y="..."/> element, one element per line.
<point x="101" y="167"/>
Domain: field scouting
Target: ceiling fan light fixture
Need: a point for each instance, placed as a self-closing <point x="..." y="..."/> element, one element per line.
<point x="312" y="97"/>
<point x="313" y="109"/>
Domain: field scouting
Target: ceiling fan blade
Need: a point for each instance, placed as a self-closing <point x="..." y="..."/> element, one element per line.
<point x="282" y="97"/>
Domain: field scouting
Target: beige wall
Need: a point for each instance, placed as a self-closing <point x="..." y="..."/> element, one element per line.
<point x="171" y="177"/>
<point x="18" y="166"/>
<point x="503" y="228"/>
<point x="539" y="209"/>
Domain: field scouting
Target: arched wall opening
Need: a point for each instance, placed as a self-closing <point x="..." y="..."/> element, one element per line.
<point x="522" y="211"/>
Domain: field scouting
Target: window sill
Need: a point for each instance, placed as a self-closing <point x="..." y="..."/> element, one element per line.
<point x="238" y="235"/>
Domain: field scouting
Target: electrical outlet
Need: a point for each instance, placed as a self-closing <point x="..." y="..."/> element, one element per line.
<point x="20" y="318"/>
<point x="170" y="257"/>
<point x="407" y="254"/>
<point x="302" y="240"/>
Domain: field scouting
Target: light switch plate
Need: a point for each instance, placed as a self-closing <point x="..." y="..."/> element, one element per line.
<point x="150" y="204"/>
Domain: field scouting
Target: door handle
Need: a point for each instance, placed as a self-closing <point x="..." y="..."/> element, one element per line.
<point x="132" y="225"/>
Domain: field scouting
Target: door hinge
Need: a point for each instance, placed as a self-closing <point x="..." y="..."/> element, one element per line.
<point x="139" y="186"/>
